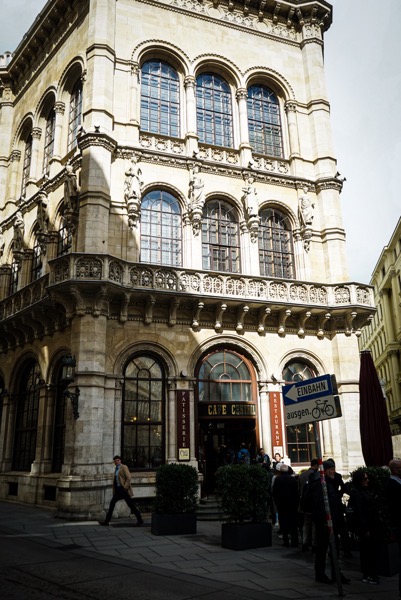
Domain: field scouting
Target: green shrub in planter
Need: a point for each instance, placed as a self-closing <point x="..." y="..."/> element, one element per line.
<point x="243" y="493"/>
<point x="176" y="489"/>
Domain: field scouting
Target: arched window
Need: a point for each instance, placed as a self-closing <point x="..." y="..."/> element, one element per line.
<point x="220" y="237"/>
<point x="264" y="123"/>
<point x="26" y="167"/>
<point x="143" y="406"/>
<point x="276" y="254"/>
<point x="301" y="442"/>
<point x="49" y="140"/>
<point x="160" y="98"/>
<point x="37" y="262"/>
<point x="161" y="229"/>
<point x="14" y="277"/>
<point x="75" y="115"/>
<point x="59" y="425"/>
<point x="225" y="376"/>
<point x="64" y="242"/>
<point x="26" y="419"/>
<point x="214" y="110"/>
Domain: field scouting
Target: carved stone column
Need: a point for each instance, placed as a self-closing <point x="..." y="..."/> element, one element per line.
<point x="244" y="146"/>
<point x="190" y="104"/>
<point x="34" y="170"/>
<point x="291" y="110"/>
<point x="15" y="159"/>
<point x="135" y="100"/>
<point x="59" y="109"/>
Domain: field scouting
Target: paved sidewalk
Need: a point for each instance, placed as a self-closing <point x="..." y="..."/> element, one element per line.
<point x="269" y="573"/>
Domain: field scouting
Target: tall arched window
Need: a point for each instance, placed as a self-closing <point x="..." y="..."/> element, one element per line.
<point x="59" y="425"/>
<point x="143" y="406"/>
<point x="301" y="442"/>
<point x="14" y="277"/>
<point x="37" y="262"/>
<point x="75" y="115"/>
<point x="161" y="229"/>
<point x="49" y="140"/>
<point x="214" y="110"/>
<point x="160" y="98"/>
<point x="276" y="254"/>
<point x="220" y="237"/>
<point x="26" y="167"/>
<point x="225" y="376"/>
<point x="64" y="241"/>
<point x="264" y="123"/>
<point x="26" y="423"/>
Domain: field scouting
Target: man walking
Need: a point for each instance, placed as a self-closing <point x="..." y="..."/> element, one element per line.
<point x="122" y="491"/>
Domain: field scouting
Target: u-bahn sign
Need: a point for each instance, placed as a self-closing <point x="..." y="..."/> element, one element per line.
<point x="311" y="400"/>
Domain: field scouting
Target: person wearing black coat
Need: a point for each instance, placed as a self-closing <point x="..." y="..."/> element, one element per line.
<point x="320" y="521"/>
<point x="366" y="524"/>
<point x="393" y="493"/>
<point x="286" y="498"/>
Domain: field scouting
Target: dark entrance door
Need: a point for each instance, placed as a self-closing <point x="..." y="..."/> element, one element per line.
<point x="219" y="443"/>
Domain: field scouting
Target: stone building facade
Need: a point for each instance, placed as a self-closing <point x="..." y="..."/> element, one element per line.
<point x="383" y="336"/>
<point x="170" y="222"/>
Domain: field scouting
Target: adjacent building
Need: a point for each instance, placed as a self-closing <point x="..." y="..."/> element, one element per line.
<point x="172" y="245"/>
<point x="383" y="336"/>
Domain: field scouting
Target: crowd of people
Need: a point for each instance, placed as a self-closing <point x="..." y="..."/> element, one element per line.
<point x="317" y="520"/>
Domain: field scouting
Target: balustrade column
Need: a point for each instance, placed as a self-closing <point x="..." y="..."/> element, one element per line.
<point x="190" y="105"/>
<point x="244" y="145"/>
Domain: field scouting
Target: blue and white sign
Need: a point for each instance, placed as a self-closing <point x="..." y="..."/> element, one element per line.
<point x="310" y="400"/>
<point x="318" y="387"/>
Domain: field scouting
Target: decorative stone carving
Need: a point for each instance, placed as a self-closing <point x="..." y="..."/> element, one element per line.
<point x="71" y="190"/>
<point x="19" y="230"/>
<point x="133" y="191"/>
<point x="306" y="215"/>
<point x="196" y="198"/>
<point x="251" y="206"/>
<point x="2" y="243"/>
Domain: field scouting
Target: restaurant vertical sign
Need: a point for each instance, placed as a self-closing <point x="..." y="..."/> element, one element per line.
<point x="276" y="421"/>
<point x="183" y="435"/>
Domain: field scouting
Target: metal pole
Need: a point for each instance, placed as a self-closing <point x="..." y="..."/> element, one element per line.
<point x="332" y="543"/>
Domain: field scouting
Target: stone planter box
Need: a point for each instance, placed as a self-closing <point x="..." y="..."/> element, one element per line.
<point x="178" y="524"/>
<point x="244" y="536"/>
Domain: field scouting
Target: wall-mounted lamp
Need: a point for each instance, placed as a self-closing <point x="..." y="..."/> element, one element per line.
<point x="68" y="365"/>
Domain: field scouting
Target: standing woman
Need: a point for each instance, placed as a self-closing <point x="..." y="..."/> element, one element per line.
<point x="367" y="525"/>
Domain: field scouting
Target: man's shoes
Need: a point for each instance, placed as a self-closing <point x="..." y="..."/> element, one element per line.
<point x="138" y="523"/>
<point x="323" y="578"/>
<point x="103" y="523"/>
<point x="371" y="580"/>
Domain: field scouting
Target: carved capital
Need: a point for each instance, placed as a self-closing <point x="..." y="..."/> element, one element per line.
<point x="290" y="107"/>
<point x="189" y="81"/>
<point x="59" y="108"/>
<point x="241" y="94"/>
<point x="36" y="133"/>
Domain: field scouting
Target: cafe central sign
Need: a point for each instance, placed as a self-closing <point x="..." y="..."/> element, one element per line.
<point x="227" y="409"/>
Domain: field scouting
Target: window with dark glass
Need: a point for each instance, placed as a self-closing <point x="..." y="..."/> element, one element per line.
<point x="14" y="276"/>
<point x="214" y="110"/>
<point x="225" y="376"/>
<point x="143" y="405"/>
<point x="220" y="237"/>
<point x="160" y="98"/>
<point x="276" y="253"/>
<point x="59" y="425"/>
<point x="37" y="262"/>
<point x="49" y="140"/>
<point x="75" y="115"/>
<point x="26" y="167"/>
<point x="64" y="242"/>
<point x="161" y="229"/>
<point x="301" y="442"/>
<point x="264" y="122"/>
<point x="26" y="422"/>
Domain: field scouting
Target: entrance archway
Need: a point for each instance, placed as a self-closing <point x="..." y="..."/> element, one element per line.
<point x="226" y="394"/>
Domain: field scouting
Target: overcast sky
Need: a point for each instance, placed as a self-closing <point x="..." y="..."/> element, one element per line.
<point x="362" y="56"/>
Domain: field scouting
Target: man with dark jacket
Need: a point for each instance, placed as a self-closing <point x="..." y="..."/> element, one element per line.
<point x="319" y="518"/>
<point x="286" y="498"/>
<point x="393" y="493"/>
